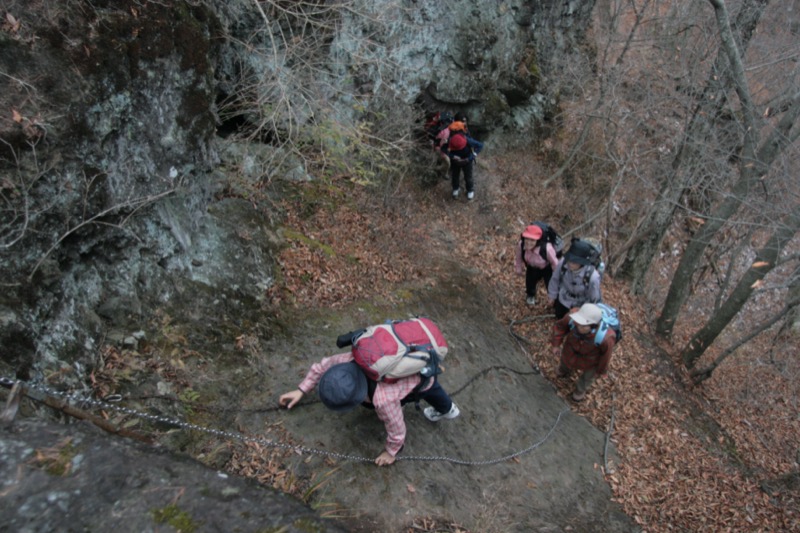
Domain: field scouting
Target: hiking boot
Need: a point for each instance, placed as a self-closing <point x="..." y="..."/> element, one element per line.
<point x="530" y="300"/>
<point x="455" y="193"/>
<point x="470" y="195"/>
<point x="578" y="396"/>
<point x="434" y="416"/>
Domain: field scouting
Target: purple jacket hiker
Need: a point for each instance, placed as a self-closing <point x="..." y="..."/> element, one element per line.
<point x="572" y="288"/>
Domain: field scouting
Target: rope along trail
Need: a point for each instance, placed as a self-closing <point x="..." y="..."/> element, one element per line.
<point x="84" y="402"/>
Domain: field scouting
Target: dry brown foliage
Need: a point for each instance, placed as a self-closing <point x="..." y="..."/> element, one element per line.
<point x="671" y="475"/>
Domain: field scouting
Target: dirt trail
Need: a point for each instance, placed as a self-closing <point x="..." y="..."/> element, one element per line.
<point x="505" y="406"/>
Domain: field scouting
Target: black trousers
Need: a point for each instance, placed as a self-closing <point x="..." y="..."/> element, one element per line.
<point x="532" y="277"/>
<point x="560" y="309"/>
<point x="455" y="175"/>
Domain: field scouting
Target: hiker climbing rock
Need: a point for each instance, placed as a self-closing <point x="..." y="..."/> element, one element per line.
<point x="462" y="150"/>
<point x="584" y="344"/>
<point x="388" y="366"/>
<point x="536" y="258"/>
<point x="575" y="281"/>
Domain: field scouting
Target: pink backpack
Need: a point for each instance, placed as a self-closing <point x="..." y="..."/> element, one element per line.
<point x="400" y="348"/>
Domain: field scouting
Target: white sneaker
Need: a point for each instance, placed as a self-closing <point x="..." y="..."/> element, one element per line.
<point x="455" y="193"/>
<point x="434" y="416"/>
<point x="470" y="195"/>
<point x="530" y="300"/>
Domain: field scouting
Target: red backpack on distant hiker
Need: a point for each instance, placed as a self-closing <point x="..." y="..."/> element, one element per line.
<point x="397" y="349"/>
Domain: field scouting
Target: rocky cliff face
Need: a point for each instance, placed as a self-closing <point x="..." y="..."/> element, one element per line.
<point x="76" y="478"/>
<point x="122" y="188"/>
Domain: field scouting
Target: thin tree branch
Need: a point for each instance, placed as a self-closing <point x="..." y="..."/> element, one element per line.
<point x="135" y="204"/>
<point x="702" y="374"/>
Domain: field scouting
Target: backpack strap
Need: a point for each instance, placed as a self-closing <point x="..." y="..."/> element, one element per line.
<point x="430" y="335"/>
<point x="429" y="348"/>
<point x="602" y="328"/>
<point x="522" y="249"/>
<point x="587" y="276"/>
<point x="597" y="332"/>
<point x="543" y="251"/>
<point x="428" y="373"/>
<point x="407" y="352"/>
<point x="431" y="370"/>
<point x="371" y="386"/>
<point x="416" y="393"/>
<point x="394" y="331"/>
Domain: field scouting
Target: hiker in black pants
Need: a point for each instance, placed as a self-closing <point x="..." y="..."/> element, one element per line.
<point x="536" y="259"/>
<point x="462" y="149"/>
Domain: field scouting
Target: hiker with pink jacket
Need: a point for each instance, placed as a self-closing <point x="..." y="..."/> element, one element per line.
<point x="536" y="259"/>
<point x="342" y="386"/>
<point x="388" y="365"/>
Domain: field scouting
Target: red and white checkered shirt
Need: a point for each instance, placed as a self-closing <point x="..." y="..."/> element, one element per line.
<point x="386" y="399"/>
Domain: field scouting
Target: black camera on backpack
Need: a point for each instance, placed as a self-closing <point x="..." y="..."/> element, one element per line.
<point x="349" y="338"/>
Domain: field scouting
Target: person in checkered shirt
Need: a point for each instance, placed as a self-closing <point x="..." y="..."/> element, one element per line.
<point x="342" y="385"/>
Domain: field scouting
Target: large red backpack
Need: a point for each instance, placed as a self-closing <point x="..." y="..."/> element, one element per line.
<point x="399" y="348"/>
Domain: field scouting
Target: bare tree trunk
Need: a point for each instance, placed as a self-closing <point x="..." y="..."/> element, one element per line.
<point x="699" y="375"/>
<point x="766" y="260"/>
<point x="643" y="244"/>
<point x="753" y="164"/>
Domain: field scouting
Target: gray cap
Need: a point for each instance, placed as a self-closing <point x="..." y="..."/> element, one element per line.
<point x="343" y="386"/>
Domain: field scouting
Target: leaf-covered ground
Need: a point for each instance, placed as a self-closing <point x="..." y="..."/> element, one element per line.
<point x="691" y="458"/>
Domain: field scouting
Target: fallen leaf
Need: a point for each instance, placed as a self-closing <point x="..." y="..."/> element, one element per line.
<point x="411" y="488"/>
<point x="13" y="22"/>
<point x="16" y="117"/>
<point x="760" y="264"/>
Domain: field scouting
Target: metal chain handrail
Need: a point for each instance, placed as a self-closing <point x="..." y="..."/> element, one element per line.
<point x="82" y="400"/>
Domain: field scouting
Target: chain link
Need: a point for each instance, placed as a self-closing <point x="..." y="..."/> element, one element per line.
<point x="99" y="404"/>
